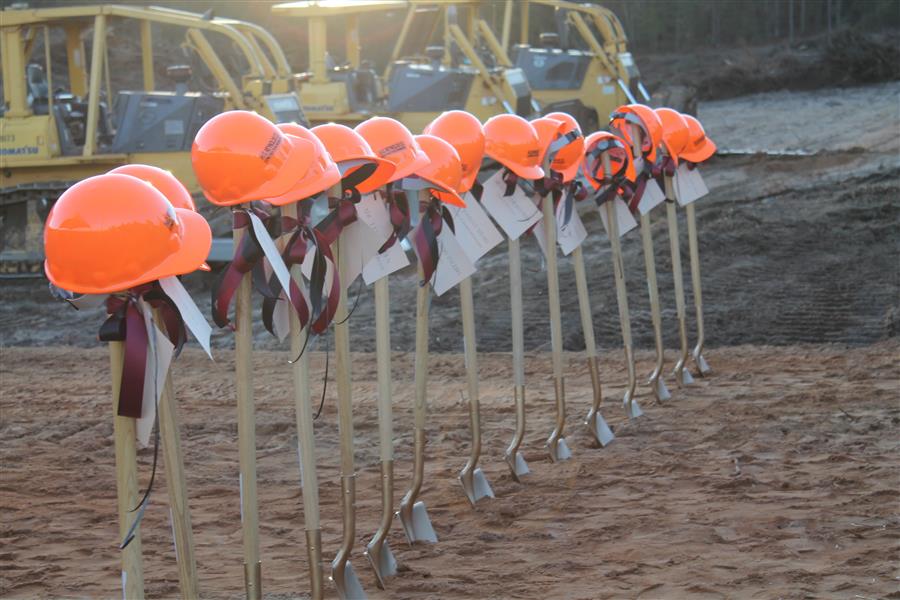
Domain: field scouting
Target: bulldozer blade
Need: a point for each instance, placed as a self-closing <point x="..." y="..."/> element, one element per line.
<point x="347" y="584"/>
<point x="702" y="365"/>
<point x="475" y="485"/>
<point x="382" y="560"/>
<point x="518" y="467"/>
<point x="599" y="429"/>
<point x="417" y="526"/>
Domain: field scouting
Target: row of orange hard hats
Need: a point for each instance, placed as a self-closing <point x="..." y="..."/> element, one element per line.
<point x="138" y="223"/>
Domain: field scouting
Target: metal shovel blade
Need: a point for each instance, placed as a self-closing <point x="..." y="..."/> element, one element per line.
<point x="559" y="451"/>
<point x="518" y="467"/>
<point x="418" y="528"/>
<point x="686" y="377"/>
<point x="382" y="560"/>
<point x="702" y="365"/>
<point x="347" y="584"/>
<point x="635" y="410"/>
<point x="475" y="485"/>
<point x="662" y="392"/>
<point x="600" y="430"/>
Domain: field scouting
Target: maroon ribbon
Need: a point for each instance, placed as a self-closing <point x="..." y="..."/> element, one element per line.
<point x="398" y="209"/>
<point x="664" y="167"/>
<point x="424" y="237"/>
<point x="125" y="323"/>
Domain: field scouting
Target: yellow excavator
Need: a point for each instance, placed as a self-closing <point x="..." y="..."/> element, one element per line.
<point x="429" y="71"/>
<point x="58" y="128"/>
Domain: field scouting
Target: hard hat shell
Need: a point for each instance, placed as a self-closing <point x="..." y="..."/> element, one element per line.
<point x="700" y="146"/>
<point x="323" y="173"/>
<point x="239" y="156"/>
<point x="444" y="169"/>
<point x="464" y="132"/>
<point x="675" y="132"/>
<point x="644" y="117"/>
<point x="513" y="142"/>
<point x="619" y="151"/>
<point x="569" y="157"/>
<point x="346" y="145"/>
<point x="391" y="140"/>
<point x="112" y="232"/>
<point x="165" y="182"/>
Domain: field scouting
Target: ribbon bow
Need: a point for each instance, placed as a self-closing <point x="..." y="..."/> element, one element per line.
<point x="398" y="210"/>
<point x="424" y="237"/>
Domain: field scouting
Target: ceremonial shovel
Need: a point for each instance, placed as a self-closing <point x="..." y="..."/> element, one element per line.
<point x="657" y="385"/>
<point x="702" y="365"/>
<point x="412" y="513"/>
<point x="682" y="375"/>
<point x="514" y="459"/>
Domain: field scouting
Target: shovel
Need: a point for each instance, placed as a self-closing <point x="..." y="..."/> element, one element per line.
<point x="656" y="382"/>
<point x="702" y="365"/>
<point x="594" y="421"/>
<point x="177" y="488"/>
<point x="682" y="375"/>
<point x="631" y="406"/>
<point x="556" y="443"/>
<point x="413" y="515"/>
<point x="309" y="481"/>
<point x="378" y="552"/>
<point x="126" y="481"/>
<point x="514" y="459"/>
<point x="342" y="573"/>
<point x="243" y="347"/>
<point x="471" y="476"/>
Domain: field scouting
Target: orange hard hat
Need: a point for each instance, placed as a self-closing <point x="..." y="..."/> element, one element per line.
<point x="391" y="140"/>
<point x="644" y="117"/>
<point x="165" y="182"/>
<point x="464" y="132"/>
<point x="324" y="172"/>
<point x="569" y="157"/>
<point x="513" y="142"/>
<point x="619" y="152"/>
<point x="350" y="151"/>
<point x="112" y="232"/>
<point x="700" y="147"/>
<point x="444" y="169"/>
<point x="676" y="136"/>
<point x="239" y="156"/>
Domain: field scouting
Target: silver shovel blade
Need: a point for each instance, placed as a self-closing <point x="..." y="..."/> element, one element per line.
<point x="686" y="377"/>
<point x="635" y="411"/>
<point x="481" y="485"/>
<point x="562" y="450"/>
<point x="662" y="392"/>
<point x="383" y="562"/>
<point x="602" y="431"/>
<point x="350" y="588"/>
<point x="521" y="465"/>
<point x="420" y="529"/>
<point x="703" y="365"/>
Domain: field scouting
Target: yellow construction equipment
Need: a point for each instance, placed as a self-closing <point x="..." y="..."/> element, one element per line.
<point x="421" y="80"/>
<point x="580" y="65"/>
<point x="58" y="129"/>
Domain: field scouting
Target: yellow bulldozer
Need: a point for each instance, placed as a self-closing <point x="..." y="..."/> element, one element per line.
<point x="59" y="127"/>
<point x="429" y="70"/>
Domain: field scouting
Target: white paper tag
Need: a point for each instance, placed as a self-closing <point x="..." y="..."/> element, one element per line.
<point x="570" y="235"/>
<point x="88" y="301"/>
<point x="159" y="356"/>
<point x="359" y="243"/>
<point x="653" y="197"/>
<point x="453" y="264"/>
<point x="381" y="265"/>
<point x="474" y="230"/>
<point x="540" y="234"/>
<point x="271" y="252"/>
<point x="373" y="211"/>
<point x="124" y="583"/>
<point x="190" y="314"/>
<point x="514" y="213"/>
<point x="689" y="185"/>
<point x="624" y="218"/>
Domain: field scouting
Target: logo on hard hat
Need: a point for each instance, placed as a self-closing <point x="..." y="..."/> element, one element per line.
<point x="271" y="146"/>
<point x="392" y="149"/>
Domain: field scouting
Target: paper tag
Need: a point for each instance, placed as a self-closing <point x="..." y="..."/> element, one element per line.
<point x="453" y="264"/>
<point x="159" y="356"/>
<point x="359" y="243"/>
<point x="381" y="265"/>
<point x="624" y="218"/>
<point x="514" y="213"/>
<point x="87" y="301"/>
<point x="474" y="230"/>
<point x="190" y="314"/>
<point x="540" y="234"/>
<point x="374" y="212"/>
<point x="653" y="197"/>
<point x="570" y="235"/>
<point x="271" y="252"/>
<point x="689" y="185"/>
